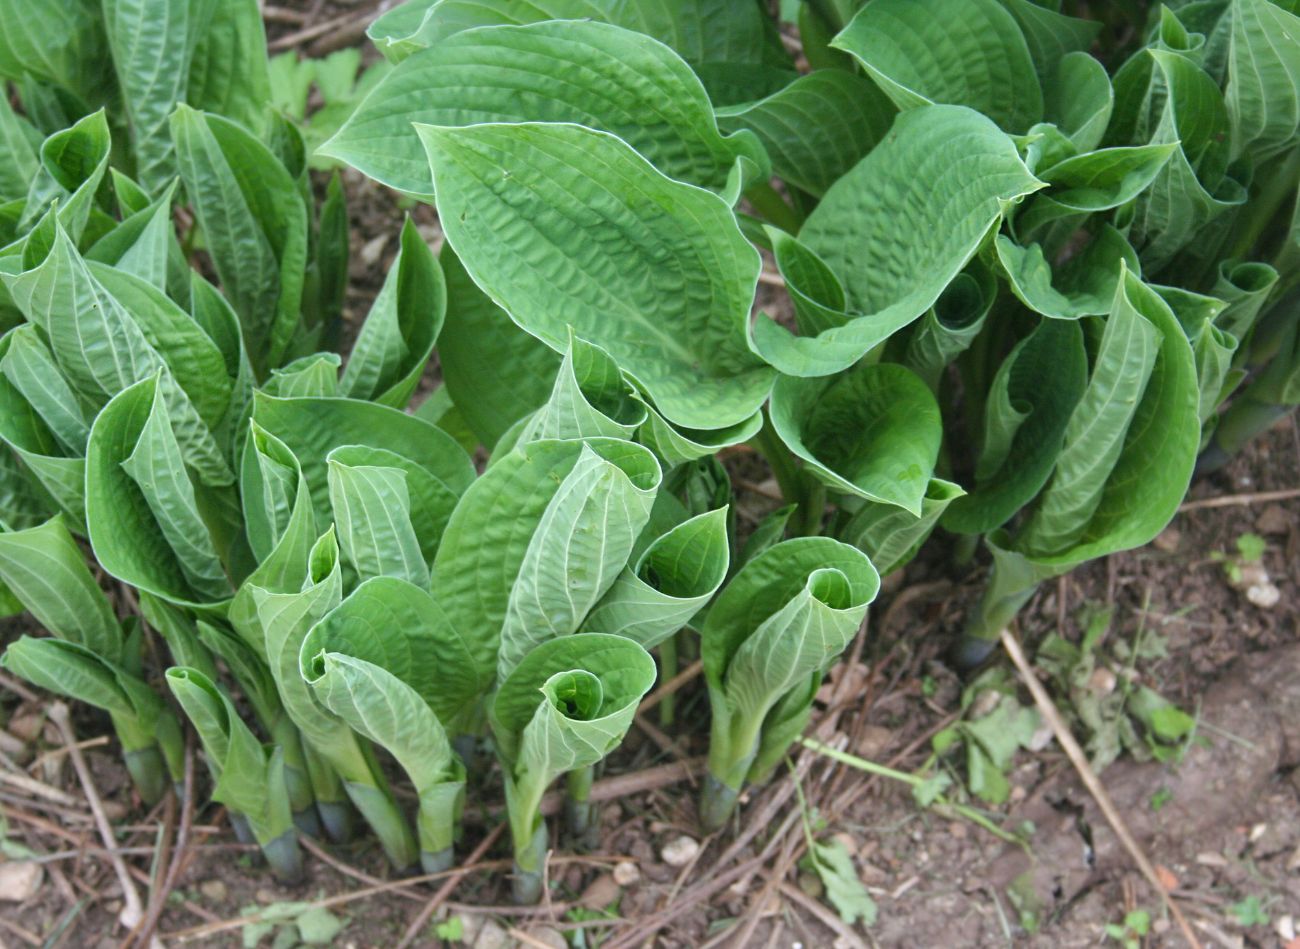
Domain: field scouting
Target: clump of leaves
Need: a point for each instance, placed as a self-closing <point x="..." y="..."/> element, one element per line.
<point x="1130" y="932"/>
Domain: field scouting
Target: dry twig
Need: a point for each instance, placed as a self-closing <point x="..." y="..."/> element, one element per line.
<point x="1235" y="500"/>
<point x="444" y="891"/>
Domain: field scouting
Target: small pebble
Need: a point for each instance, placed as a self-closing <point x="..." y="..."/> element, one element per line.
<point x="600" y="892"/>
<point x="492" y="936"/>
<point x="626" y="873"/>
<point x="549" y="936"/>
<point x="20" y="880"/>
<point x="1286" y="928"/>
<point x="213" y="890"/>
<point x="680" y="851"/>
<point x="1264" y="595"/>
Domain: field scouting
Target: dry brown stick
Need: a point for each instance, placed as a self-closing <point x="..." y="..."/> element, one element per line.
<point x="38" y="788"/>
<point x="26" y="935"/>
<point x="650" y="779"/>
<point x="158" y="897"/>
<point x="672" y="685"/>
<point x="55" y="753"/>
<point x="162" y="864"/>
<point x="18" y="689"/>
<point x="449" y="887"/>
<point x="1233" y="500"/>
<point x="290" y="40"/>
<point x="348" y="870"/>
<point x="827" y="918"/>
<point x="526" y="939"/>
<point x="1092" y="783"/>
<point x="132" y="908"/>
<point x="283" y="15"/>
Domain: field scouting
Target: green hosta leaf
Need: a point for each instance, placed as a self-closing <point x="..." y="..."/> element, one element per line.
<point x="1097" y="428"/>
<point x="579" y="546"/>
<point x="332" y="261"/>
<point x="1082" y="286"/>
<point x="312" y="428"/>
<point x="142" y="510"/>
<point x="576" y="509"/>
<point x="1050" y="36"/>
<point x="891" y="536"/>
<point x="873" y="432"/>
<point x="588" y="73"/>
<point x="1080" y="100"/>
<point x="647" y="245"/>
<point x="315" y="376"/>
<point x="397" y="337"/>
<point x="393" y="624"/>
<point x="73" y="163"/>
<point x="816" y="128"/>
<point x="419" y="24"/>
<point x="269" y="479"/>
<point x="19" y="147"/>
<point x="494" y="371"/>
<point x="1192" y="188"/>
<point x="565" y="706"/>
<point x="952" y="324"/>
<point x="1107" y="178"/>
<point x="1028" y="407"/>
<point x="63" y="477"/>
<point x="61" y="43"/>
<point x="946" y="170"/>
<point x="249" y="777"/>
<point x="145" y="245"/>
<point x="1213" y="350"/>
<point x="1263" y="91"/>
<point x="151" y="43"/>
<point x="669" y="583"/>
<point x="774" y="629"/>
<point x="254" y="222"/>
<point x="1245" y="287"/>
<point x="590" y="399"/>
<point x="372" y="511"/>
<point x="844" y="888"/>
<point x="675" y="445"/>
<point x="27" y="364"/>
<point x="102" y="349"/>
<point x="46" y="570"/>
<point x="228" y="72"/>
<point x="180" y="631"/>
<point x="952" y="51"/>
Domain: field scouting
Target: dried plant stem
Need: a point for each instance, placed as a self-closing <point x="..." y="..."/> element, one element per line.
<point x="1236" y="500"/>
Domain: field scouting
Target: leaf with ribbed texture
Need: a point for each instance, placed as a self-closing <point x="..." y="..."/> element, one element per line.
<point x="774" y="629"/>
<point x="676" y="445"/>
<point x="46" y="570"/>
<point x="1106" y="178"/>
<point x="948" y="172"/>
<point x="492" y="571"/>
<point x="19" y="147"/>
<point x="62" y="43"/>
<point x="144" y="244"/>
<point x="891" y="536"/>
<point x="1050" y="36"/>
<point x="816" y="128"/>
<point x="372" y="512"/>
<point x="1080" y="100"/>
<point x="669" y="583"/>
<point x="588" y="73"/>
<point x="1245" y="287"/>
<point x="1192" y="188"/>
<point x="27" y="364"/>
<point x="419" y="24"/>
<point x="397" y="338"/>
<point x="312" y="428"/>
<point x="1263" y="91"/>
<point x="102" y="349"/>
<point x="873" y="432"/>
<point x="151" y="42"/>
<point x="72" y="167"/>
<point x="578" y="546"/>
<point x="961" y="52"/>
<point x="494" y="371"/>
<point x="1027" y="410"/>
<point x="393" y="624"/>
<point x="1095" y="434"/>
<point x="314" y="376"/>
<point x="657" y="272"/>
<point x="952" y="324"/>
<point x="228" y="71"/>
<point x="142" y="513"/>
<point x="1082" y="286"/>
<point x="254" y="223"/>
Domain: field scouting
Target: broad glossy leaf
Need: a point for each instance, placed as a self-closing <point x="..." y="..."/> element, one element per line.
<point x="1051" y="36"/>
<point x="72" y="166"/>
<point x="1080" y="100"/>
<point x="1082" y="286"/>
<point x="372" y="513"/>
<point x="61" y="43"/>
<point x="646" y="245"/>
<point x="816" y="128"/>
<point x="46" y="570"/>
<point x="945" y="169"/>
<point x="254" y="222"/>
<point x="315" y="376"/>
<point x="1106" y="178"/>
<point x="142" y="513"/>
<point x="1026" y="412"/>
<point x="668" y="584"/>
<point x="1245" y="288"/>
<point x="144" y="245"/>
<point x="494" y="371"/>
<point x="952" y="324"/>
<point x="28" y="366"/>
<point x="418" y="24"/>
<point x="891" y="536"/>
<point x="397" y="338"/>
<point x="312" y="428"/>
<point x="19" y="147"/>
<point x="61" y="474"/>
<point x="961" y="52"/>
<point x="873" y="432"/>
<point x="584" y="72"/>
<point x="576" y="509"/>
<point x="676" y="445"/>
<point x="1263" y="90"/>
